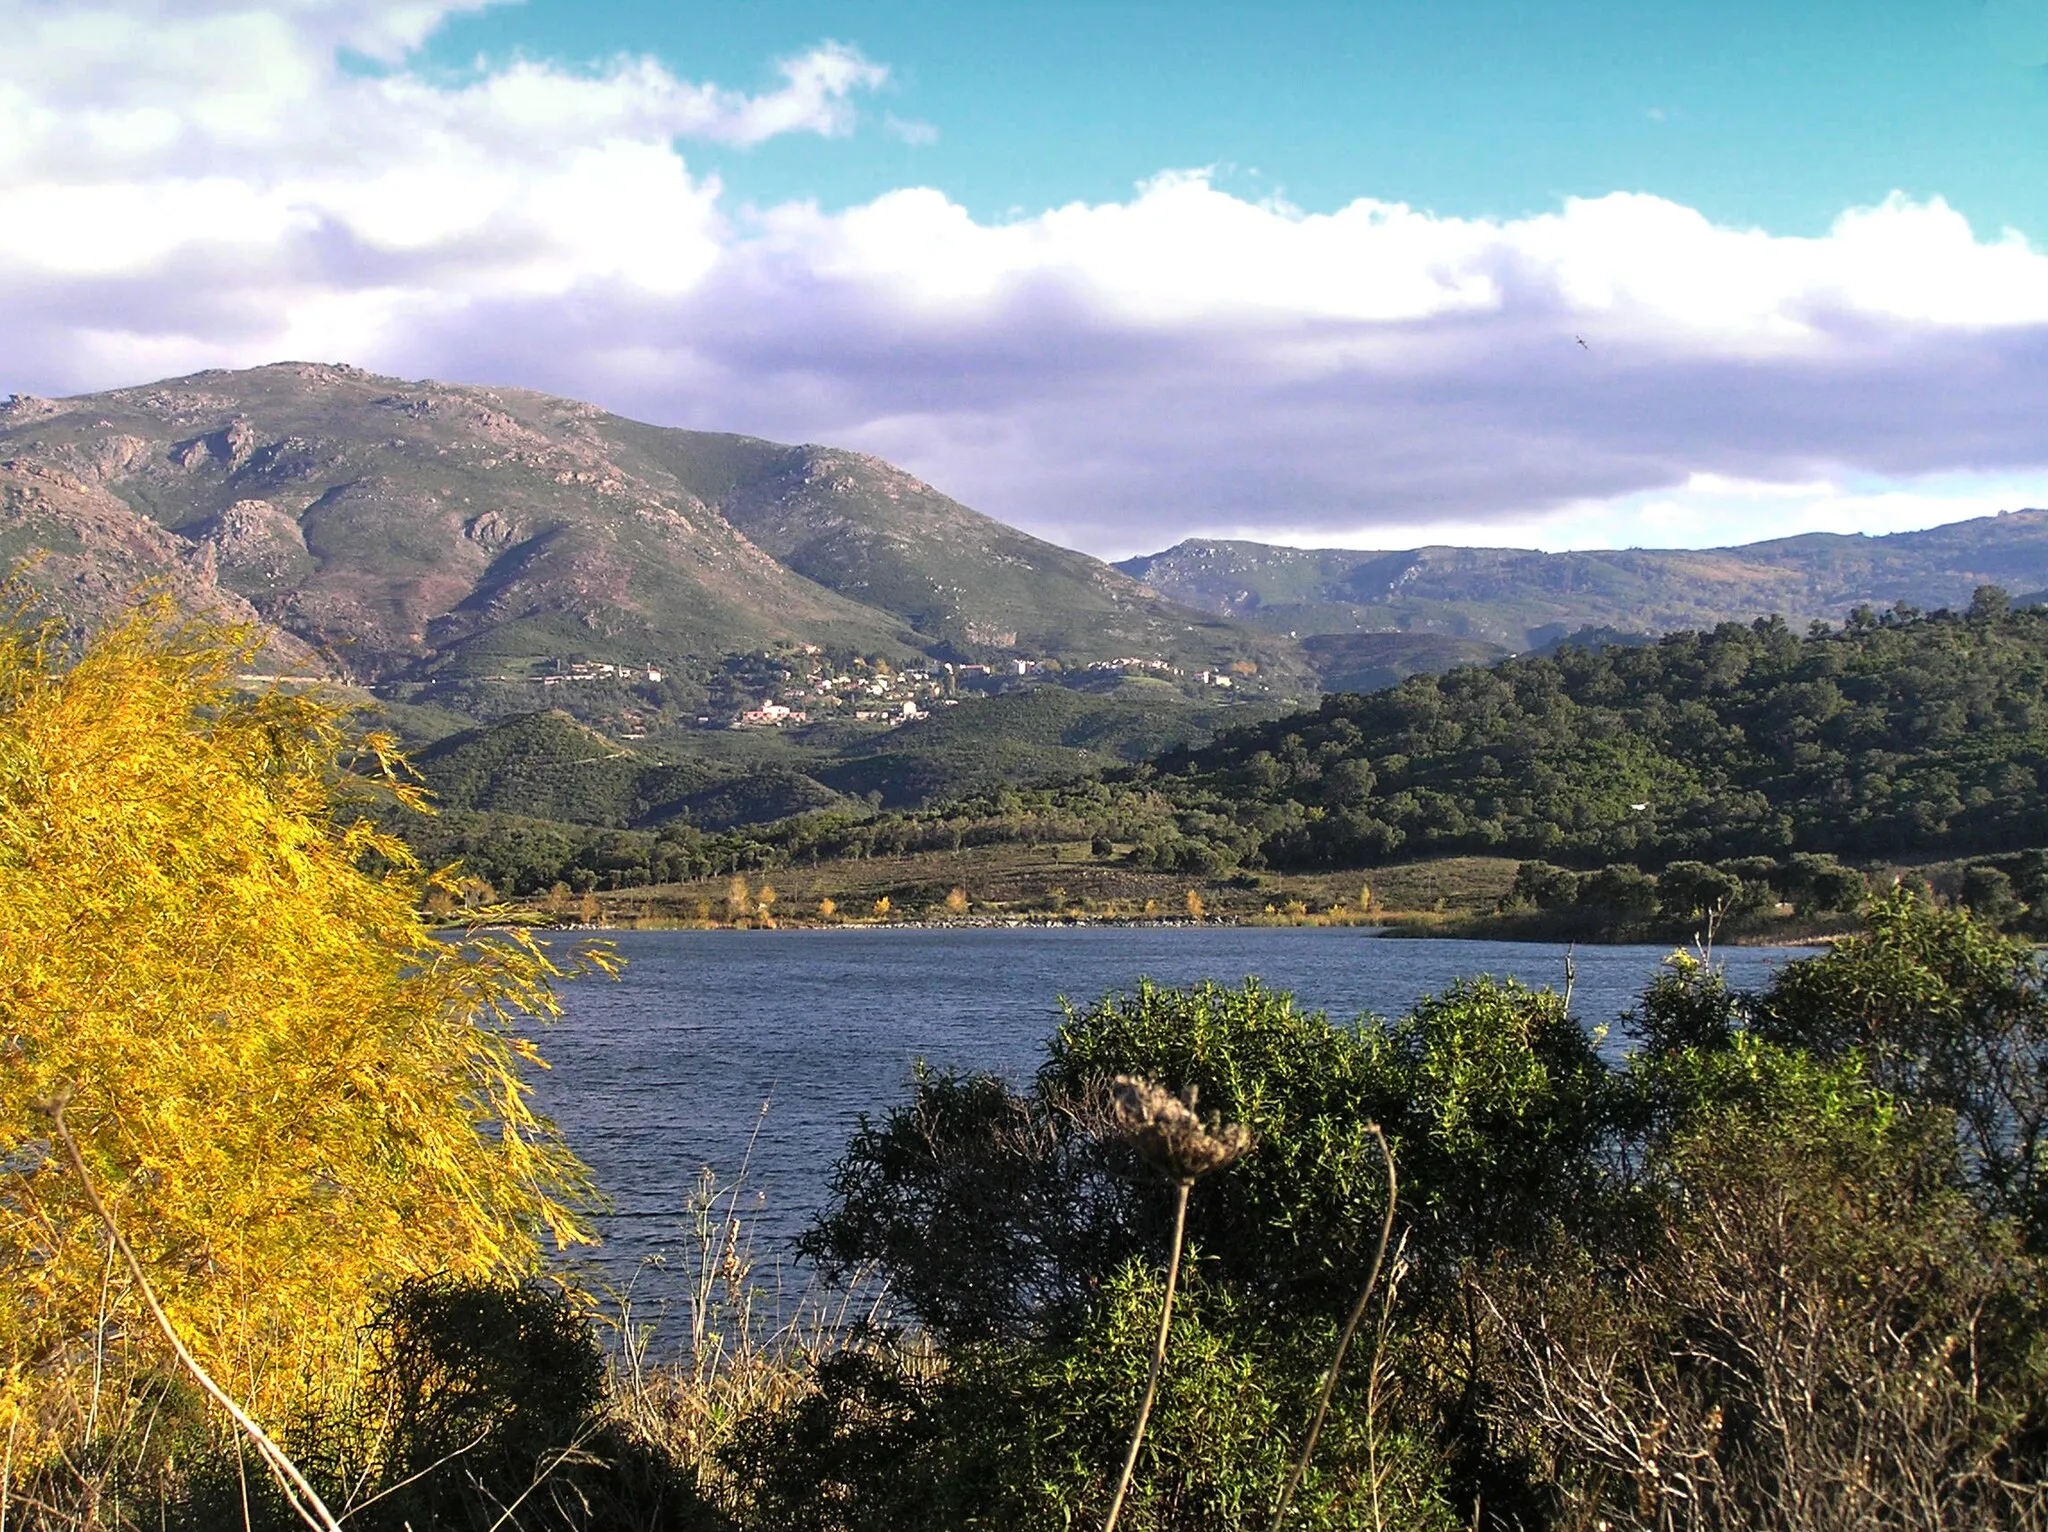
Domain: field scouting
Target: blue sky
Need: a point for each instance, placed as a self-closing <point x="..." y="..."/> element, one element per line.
<point x="1774" y="114"/>
<point x="1373" y="274"/>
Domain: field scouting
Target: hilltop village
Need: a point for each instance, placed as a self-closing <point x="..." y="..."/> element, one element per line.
<point x="797" y="684"/>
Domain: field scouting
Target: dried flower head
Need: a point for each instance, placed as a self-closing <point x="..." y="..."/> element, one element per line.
<point x="1167" y="1134"/>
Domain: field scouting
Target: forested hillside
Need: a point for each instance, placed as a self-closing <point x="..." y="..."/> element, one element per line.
<point x="1895" y="732"/>
<point x="1893" y="735"/>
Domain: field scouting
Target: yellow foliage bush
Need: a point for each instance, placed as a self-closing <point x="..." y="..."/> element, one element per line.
<point x="287" y="1091"/>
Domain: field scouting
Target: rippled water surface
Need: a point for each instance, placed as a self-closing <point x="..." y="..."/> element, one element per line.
<point x="667" y="1070"/>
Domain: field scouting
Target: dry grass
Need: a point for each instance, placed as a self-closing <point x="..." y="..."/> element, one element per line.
<point x="1067" y="881"/>
<point x="683" y="1376"/>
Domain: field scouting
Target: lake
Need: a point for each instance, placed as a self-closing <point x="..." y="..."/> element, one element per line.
<point x="761" y="1049"/>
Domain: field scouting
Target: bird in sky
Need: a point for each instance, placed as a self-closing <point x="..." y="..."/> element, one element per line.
<point x="1582" y="342"/>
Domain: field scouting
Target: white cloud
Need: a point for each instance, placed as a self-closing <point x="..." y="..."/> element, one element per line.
<point x="116" y="89"/>
<point x="916" y="134"/>
<point x="186" y="184"/>
<point x="1713" y="510"/>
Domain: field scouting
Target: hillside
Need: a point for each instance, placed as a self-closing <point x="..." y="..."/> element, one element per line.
<point x="442" y="536"/>
<point x="1519" y="599"/>
<point x="1040" y="734"/>
<point x="456" y="546"/>
<point x="1887" y="736"/>
<point x="1370" y="662"/>
<point x="1891" y="738"/>
<point x="550" y="767"/>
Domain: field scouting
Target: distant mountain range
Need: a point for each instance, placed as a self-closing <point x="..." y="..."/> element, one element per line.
<point x="1516" y="599"/>
<point x="429" y="540"/>
<point x="412" y="531"/>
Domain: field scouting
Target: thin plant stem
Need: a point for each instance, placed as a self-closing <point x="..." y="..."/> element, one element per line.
<point x="7" y="1467"/>
<point x="440" y="1462"/>
<point x="303" y="1497"/>
<point x="99" y="1345"/>
<point x="1379" y="1256"/>
<point x="1123" y="1483"/>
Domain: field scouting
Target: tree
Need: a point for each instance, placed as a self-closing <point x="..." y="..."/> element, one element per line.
<point x="1940" y="1009"/>
<point x="1544" y="886"/>
<point x="1822" y="885"/>
<point x="1693" y="890"/>
<point x="1988" y="894"/>
<point x="1620" y="890"/>
<point x="288" y="1093"/>
<point x="1988" y="602"/>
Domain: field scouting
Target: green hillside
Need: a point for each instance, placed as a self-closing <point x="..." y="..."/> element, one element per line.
<point x="1742" y="760"/>
<point x="1891" y="734"/>
<point x="418" y="535"/>
<point x="966" y="584"/>
<point x="548" y="766"/>
<point x="1039" y="734"/>
<point x="1370" y="662"/>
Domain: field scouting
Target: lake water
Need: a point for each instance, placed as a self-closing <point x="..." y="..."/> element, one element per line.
<point x="669" y="1069"/>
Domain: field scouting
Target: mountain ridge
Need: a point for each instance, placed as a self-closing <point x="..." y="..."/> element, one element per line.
<point x="434" y="541"/>
<point x="418" y="531"/>
<point x="1521" y="599"/>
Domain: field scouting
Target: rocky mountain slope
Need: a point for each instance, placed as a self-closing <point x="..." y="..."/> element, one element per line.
<point x="1520" y="599"/>
<point x="432" y="539"/>
<point x="410" y="531"/>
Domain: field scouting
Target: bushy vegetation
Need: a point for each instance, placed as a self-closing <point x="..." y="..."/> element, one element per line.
<point x="1741" y="896"/>
<point x="1776" y="1266"/>
<point x="1893" y="733"/>
<point x="1769" y="1260"/>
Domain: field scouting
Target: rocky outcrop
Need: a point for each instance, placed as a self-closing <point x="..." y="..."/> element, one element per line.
<point x="231" y="446"/>
<point x="258" y="549"/>
<point x="88" y="553"/>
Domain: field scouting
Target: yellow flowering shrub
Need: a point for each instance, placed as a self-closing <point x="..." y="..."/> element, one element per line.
<point x="287" y="1091"/>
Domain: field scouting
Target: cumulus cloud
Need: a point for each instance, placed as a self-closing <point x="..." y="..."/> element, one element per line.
<point x="186" y="184"/>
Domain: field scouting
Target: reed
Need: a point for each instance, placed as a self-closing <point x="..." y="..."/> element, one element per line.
<point x="1167" y="1134"/>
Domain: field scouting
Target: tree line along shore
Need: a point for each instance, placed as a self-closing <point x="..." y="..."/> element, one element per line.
<point x="1744" y="774"/>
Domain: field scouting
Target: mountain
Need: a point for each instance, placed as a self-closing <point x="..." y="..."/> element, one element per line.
<point x="427" y="532"/>
<point x="1520" y="599"/>
<point x="1370" y="662"/>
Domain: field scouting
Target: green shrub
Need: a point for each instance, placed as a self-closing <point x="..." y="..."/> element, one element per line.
<point x="1939" y="1010"/>
<point x="1780" y="1270"/>
<point x="1009" y="1437"/>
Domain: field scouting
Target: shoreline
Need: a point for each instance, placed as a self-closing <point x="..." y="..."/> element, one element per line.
<point x="1402" y="925"/>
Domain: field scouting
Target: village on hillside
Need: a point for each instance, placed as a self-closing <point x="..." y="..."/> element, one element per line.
<point x="798" y="684"/>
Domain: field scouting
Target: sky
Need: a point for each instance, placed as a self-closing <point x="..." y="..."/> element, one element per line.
<point x="1119" y="272"/>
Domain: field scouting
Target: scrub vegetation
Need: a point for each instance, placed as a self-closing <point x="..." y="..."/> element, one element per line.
<point x="1767" y="1260"/>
